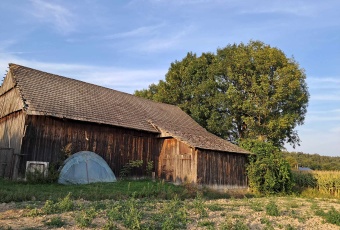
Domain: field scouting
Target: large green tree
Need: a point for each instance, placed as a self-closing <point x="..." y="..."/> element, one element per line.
<point x="242" y="91"/>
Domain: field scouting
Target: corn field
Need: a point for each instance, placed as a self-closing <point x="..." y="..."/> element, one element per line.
<point x="328" y="182"/>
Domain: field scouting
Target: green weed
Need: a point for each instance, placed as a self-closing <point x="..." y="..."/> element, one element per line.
<point x="173" y="215"/>
<point x="34" y="212"/>
<point x="84" y="218"/>
<point x="266" y="222"/>
<point x="56" y="222"/>
<point x="63" y="205"/>
<point x="272" y="209"/>
<point x="256" y="206"/>
<point x="199" y="206"/>
<point x="206" y="223"/>
<point x="289" y="227"/>
<point x="237" y="225"/>
<point x="332" y="216"/>
<point x="215" y="207"/>
<point x="131" y="214"/>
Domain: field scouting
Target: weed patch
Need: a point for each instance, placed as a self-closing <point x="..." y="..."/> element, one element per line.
<point x="199" y="205"/>
<point x="55" y="222"/>
<point x="332" y="216"/>
<point x="84" y="218"/>
<point x="272" y="209"/>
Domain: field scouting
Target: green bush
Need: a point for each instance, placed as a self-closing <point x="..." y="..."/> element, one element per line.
<point x="268" y="171"/>
<point x="304" y="180"/>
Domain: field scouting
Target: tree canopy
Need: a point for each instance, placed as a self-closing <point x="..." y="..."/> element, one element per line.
<point x="242" y="91"/>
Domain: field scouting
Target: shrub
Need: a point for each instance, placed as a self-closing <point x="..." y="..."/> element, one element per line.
<point x="304" y="180"/>
<point x="268" y="171"/>
<point x="127" y="169"/>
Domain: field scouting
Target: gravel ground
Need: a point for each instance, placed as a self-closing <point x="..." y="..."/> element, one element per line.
<point x="293" y="213"/>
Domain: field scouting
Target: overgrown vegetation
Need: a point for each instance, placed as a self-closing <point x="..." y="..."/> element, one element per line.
<point x="332" y="216"/>
<point x="157" y="205"/>
<point x="268" y="171"/>
<point x="135" y="167"/>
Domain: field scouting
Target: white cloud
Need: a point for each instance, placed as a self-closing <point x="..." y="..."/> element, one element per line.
<point x="138" y="32"/>
<point x="275" y="7"/>
<point x="324" y="89"/>
<point x="325" y="97"/>
<point x="126" y="80"/>
<point x="163" y="43"/>
<point x="329" y="82"/>
<point x="60" y="17"/>
<point x="329" y="117"/>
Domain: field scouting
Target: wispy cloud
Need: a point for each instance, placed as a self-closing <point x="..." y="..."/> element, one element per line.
<point x="58" y="16"/>
<point x="275" y="7"/>
<point x="126" y="80"/>
<point x="138" y="32"/>
<point x="164" y="42"/>
<point x="324" y="80"/>
<point x="324" y="88"/>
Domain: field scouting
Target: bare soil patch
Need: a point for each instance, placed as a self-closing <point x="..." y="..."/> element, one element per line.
<point x="251" y="213"/>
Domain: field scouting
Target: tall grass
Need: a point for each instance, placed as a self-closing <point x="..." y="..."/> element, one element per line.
<point x="23" y="191"/>
<point x="328" y="182"/>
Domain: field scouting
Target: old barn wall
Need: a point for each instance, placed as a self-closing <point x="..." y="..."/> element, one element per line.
<point x="12" y="131"/>
<point x="46" y="137"/>
<point x="177" y="161"/>
<point x="12" y="117"/>
<point x="220" y="169"/>
<point x="12" y="128"/>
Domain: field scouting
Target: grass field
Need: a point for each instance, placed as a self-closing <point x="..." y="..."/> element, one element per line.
<point x="156" y="205"/>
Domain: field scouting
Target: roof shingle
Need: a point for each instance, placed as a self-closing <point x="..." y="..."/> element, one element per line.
<point x="54" y="95"/>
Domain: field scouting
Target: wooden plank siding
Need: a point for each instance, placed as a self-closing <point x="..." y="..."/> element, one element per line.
<point x="222" y="170"/>
<point x="6" y="162"/>
<point x="12" y="131"/>
<point x="47" y="136"/>
<point x="177" y="162"/>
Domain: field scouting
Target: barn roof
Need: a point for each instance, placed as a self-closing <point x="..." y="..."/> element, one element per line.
<point x="53" y="95"/>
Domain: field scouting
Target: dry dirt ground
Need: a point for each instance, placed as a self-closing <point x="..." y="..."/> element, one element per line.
<point x="294" y="213"/>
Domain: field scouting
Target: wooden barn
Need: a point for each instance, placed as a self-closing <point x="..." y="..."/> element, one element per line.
<point x="42" y="114"/>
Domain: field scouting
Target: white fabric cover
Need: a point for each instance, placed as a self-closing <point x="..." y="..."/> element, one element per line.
<point x="85" y="167"/>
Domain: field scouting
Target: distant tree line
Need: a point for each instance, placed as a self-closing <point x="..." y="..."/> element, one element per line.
<point x="312" y="161"/>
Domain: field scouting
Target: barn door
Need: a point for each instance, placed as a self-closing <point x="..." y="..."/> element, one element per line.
<point x="183" y="167"/>
<point x="167" y="168"/>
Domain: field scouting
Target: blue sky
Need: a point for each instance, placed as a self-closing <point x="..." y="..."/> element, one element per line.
<point x="127" y="45"/>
